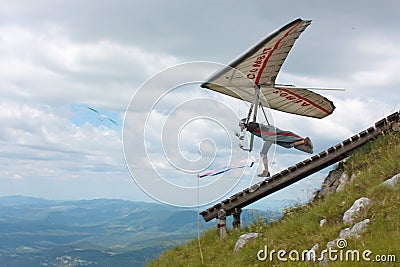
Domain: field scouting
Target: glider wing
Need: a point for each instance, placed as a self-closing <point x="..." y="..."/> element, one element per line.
<point x="92" y="109"/>
<point x="113" y="121"/>
<point x="260" y="66"/>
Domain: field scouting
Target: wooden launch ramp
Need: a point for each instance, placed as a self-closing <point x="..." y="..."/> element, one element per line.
<point x="299" y="171"/>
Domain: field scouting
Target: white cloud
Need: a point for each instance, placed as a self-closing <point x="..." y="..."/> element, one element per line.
<point x="55" y="55"/>
<point x="42" y="142"/>
<point x="51" y="67"/>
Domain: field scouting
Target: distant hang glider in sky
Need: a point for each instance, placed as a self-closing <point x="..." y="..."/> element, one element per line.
<point x="102" y="116"/>
<point x="256" y="70"/>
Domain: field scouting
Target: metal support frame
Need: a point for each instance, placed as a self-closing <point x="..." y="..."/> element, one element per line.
<point x="252" y="111"/>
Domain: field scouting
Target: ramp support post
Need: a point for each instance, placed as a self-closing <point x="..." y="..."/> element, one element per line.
<point x="222" y="224"/>
<point x="236" y="218"/>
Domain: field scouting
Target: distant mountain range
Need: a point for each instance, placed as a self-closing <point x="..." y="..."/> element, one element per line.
<point x="100" y="232"/>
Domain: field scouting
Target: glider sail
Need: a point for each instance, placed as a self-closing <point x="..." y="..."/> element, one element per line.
<point x="260" y="66"/>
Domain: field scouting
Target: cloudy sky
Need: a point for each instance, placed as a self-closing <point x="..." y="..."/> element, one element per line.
<point x="60" y="57"/>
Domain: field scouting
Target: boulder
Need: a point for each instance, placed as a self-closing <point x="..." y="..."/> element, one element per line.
<point x="243" y="239"/>
<point x="355" y="230"/>
<point x="330" y="184"/>
<point x="324" y="259"/>
<point x="311" y="255"/>
<point x="392" y="182"/>
<point x="356" y="210"/>
<point x="396" y="126"/>
<point x="344" y="180"/>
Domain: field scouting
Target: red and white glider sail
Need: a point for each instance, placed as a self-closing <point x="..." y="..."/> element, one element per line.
<point x="260" y="66"/>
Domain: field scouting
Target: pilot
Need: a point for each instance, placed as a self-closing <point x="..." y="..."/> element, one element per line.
<point x="273" y="135"/>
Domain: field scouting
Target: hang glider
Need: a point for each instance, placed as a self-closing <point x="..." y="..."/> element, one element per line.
<point x="256" y="71"/>
<point x="102" y="116"/>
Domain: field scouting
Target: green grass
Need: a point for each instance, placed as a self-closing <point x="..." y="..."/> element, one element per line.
<point x="299" y="228"/>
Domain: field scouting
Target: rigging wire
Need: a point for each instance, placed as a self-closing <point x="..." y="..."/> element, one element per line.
<point x="248" y="106"/>
<point x="265" y="115"/>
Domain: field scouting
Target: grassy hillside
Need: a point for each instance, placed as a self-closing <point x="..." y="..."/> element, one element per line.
<point x="299" y="229"/>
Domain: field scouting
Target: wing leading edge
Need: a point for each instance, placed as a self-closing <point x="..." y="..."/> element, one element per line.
<point x="260" y="65"/>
